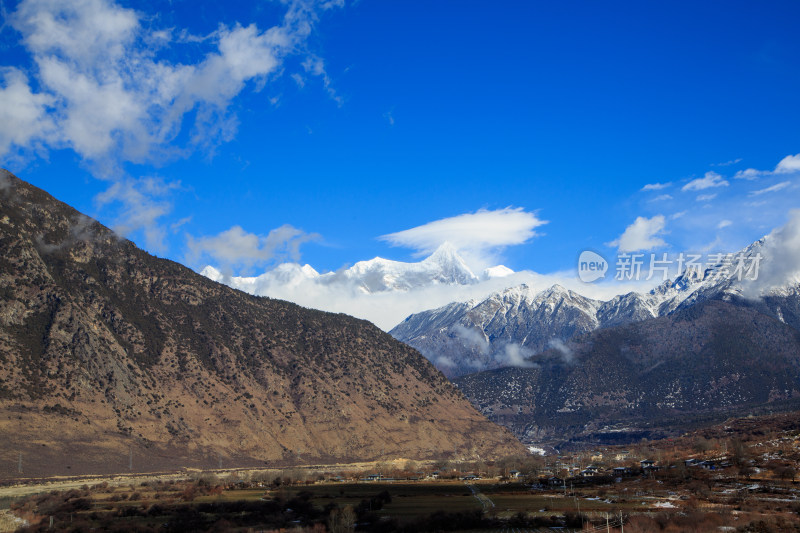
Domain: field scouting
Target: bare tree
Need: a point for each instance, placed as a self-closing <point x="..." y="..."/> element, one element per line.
<point x="342" y="520"/>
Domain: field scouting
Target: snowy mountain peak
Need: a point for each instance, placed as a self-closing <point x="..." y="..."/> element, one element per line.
<point x="532" y="319"/>
<point x="444" y="254"/>
<point x="556" y="290"/>
<point x="451" y="264"/>
<point x="444" y="266"/>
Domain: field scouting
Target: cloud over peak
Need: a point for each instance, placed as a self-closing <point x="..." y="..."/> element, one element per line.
<point x="477" y="234"/>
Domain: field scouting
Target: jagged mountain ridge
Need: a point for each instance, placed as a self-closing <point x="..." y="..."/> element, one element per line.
<point x="106" y="350"/>
<point x="461" y="338"/>
<point x="443" y="267"/>
<point x="652" y="378"/>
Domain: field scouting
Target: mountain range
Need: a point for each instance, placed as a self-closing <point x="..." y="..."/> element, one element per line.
<point x="507" y="327"/>
<point x="111" y="358"/>
<point x="558" y="368"/>
<point x="443" y="267"/>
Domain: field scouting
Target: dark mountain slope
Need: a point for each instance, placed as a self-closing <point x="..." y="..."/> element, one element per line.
<point x="106" y="349"/>
<point x="648" y="378"/>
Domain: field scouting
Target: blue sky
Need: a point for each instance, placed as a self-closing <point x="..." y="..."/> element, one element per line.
<point x="348" y="121"/>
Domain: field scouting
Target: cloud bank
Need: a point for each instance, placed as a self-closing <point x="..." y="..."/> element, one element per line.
<point x="782" y="258"/>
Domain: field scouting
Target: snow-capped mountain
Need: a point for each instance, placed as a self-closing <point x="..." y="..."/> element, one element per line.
<point x="500" y="330"/>
<point x="507" y="327"/>
<point x="286" y="274"/>
<point x="443" y="267"/>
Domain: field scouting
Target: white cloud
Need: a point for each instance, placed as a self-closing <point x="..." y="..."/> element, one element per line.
<point x="316" y="67"/>
<point x="661" y="198"/>
<point x="22" y="113"/>
<point x="477" y="235"/>
<point x="728" y="163"/>
<point x="781" y="258"/>
<point x="237" y="248"/>
<point x="788" y="165"/>
<point x="772" y="188"/>
<point x="705" y="197"/>
<point x="566" y="353"/>
<point x="515" y="355"/>
<point x="711" y="179"/>
<point x="641" y="235"/>
<point x="142" y="203"/>
<point x="747" y="174"/>
<point x="104" y="88"/>
<point x="656" y="186"/>
<point x="724" y="224"/>
<point x="114" y="100"/>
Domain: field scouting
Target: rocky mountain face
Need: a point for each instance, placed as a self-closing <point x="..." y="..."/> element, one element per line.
<point x="509" y="326"/>
<point x="501" y="330"/>
<point x="651" y="378"/>
<point x="560" y="368"/>
<point x="111" y="358"/>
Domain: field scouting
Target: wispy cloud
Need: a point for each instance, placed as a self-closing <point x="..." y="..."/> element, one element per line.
<point x="143" y="203"/>
<point x="661" y="198"/>
<point x="643" y="234"/>
<point x="705" y="197"/>
<point x="711" y="179"/>
<point x="478" y="235"/>
<point x="656" y="186"/>
<point x="316" y="67"/>
<point x="772" y="188"/>
<point x="728" y="163"/>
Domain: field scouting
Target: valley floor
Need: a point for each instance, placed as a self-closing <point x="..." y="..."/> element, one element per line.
<point x="253" y="502"/>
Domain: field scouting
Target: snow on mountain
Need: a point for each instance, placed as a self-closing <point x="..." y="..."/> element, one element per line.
<point x="443" y="267"/>
<point x="287" y="274"/>
<point x="380" y="290"/>
<point x="461" y="338"/>
<point x="500" y="330"/>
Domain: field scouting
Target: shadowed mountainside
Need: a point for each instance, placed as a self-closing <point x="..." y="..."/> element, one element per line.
<point x="653" y="378"/>
<point x="108" y="353"/>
